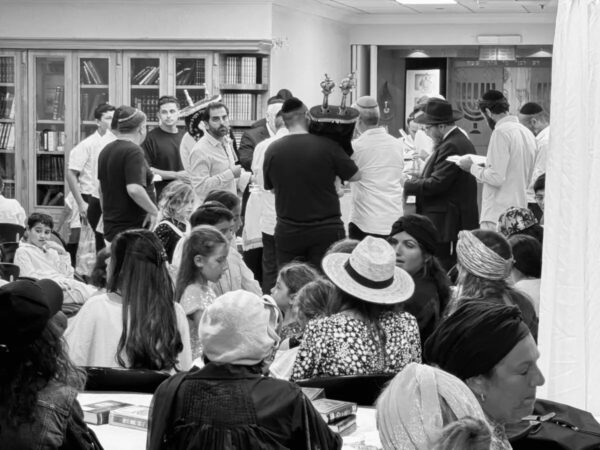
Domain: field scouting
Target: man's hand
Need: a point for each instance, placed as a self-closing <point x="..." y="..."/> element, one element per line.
<point x="237" y="171"/>
<point x="465" y="163"/>
<point x="83" y="207"/>
<point x="150" y="221"/>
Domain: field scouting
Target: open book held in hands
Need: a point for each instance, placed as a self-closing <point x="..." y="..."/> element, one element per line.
<point x="478" y="160"/>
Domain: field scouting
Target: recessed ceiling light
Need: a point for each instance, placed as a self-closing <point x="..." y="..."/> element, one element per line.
<point x="427" y="2"/>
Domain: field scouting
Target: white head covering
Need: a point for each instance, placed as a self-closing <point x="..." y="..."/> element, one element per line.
<point x="409" y="411"/>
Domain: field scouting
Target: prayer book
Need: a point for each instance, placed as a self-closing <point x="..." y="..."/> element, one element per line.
<point x="345" y="425"/>
<point x="130" y="416"/>
<point x="97" y="413"/>
<point x="332" y="410"/>
<point x="477" y="159"/>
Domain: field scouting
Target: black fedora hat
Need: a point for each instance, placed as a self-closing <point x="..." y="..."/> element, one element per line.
<point x="437" y="111"/>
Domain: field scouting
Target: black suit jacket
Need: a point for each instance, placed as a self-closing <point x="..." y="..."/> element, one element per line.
<point x="249" y="141"/>
<point x="445" y="193"/>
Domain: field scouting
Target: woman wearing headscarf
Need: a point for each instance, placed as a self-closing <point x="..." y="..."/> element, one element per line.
<point x="229" y="403"/>
<point x="364" y="335"/>
<point x="414" y="237"/>
<point x="418" y="403"/>
<point x="490" y="348"/>
<point x="485" y="261"/>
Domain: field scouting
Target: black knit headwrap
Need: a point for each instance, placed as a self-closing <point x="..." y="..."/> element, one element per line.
<point x="419" y="227"/>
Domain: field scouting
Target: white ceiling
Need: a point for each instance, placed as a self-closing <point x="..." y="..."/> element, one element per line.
<point x="365" y="8"/>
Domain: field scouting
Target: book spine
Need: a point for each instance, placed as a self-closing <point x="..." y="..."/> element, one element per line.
<point x="343" y="412"/>
<point x="131" y="422"/>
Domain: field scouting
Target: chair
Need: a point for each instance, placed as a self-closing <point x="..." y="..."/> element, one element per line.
<point x="125" y="380"/>
<point x="361" y="389"/>
<point x="9" y="271"/>
<point x="10" y="232"/>
<point x="7" y="251"/>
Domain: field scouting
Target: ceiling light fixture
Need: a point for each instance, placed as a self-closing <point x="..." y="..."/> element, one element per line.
<point x="427" y="2"/>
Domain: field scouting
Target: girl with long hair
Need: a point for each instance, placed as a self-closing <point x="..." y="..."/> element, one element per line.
<point x="136" y="324"/>
<point x="204" y="260"/>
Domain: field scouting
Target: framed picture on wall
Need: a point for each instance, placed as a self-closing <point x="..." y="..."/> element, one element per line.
<point x="420" y="82"/>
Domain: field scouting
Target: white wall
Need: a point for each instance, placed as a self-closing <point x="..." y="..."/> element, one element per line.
<point x="312" y="46"/>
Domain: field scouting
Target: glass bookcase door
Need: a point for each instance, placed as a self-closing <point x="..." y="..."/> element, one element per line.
<point x="95" y="82"/>
<point x="8" y="130"/>
<point x="50" y="133"/>
<point x="190" y="80"/>
<point x="145" y="78"/>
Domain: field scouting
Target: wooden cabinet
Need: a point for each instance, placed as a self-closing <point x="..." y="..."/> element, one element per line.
<point x="11" y="123"/>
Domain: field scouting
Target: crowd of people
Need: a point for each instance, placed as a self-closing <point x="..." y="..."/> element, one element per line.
<point x="231" y="270"/>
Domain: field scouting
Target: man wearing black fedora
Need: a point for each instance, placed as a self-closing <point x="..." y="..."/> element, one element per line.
<point x="445" y="194"/>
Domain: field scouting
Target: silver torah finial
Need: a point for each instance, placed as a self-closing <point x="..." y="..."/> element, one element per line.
<point x="346" y="86"/>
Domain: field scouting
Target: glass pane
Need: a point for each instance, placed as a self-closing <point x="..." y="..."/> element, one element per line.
<point x="94" y="90"/>
<point x="7" y="124"/>
<point x="190" y="76"/>
<point x="145" y="77"/>
<point x="50" y="134"/>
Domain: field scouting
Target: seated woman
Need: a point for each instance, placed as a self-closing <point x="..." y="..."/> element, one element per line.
<point x="520" y="221"/>
<point x="527" y="268"/>
<point x="484" y="264"/>
<point x="175" y="206"/>
<point x="364" y="335"/>
<point x="229" y="403"/>
<point x="40" y="257"/>
<point x="38" y="382"/>
<point x="417" y="404"/>
<point x="136" y="324"/>
<point x="414" y="238"/>
<point x="490" y="348"/>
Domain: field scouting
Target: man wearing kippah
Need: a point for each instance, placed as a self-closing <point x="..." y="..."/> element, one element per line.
<point x="509" y="162"/>
<point x="533" y="116"/>
<point x="377" y="197"/>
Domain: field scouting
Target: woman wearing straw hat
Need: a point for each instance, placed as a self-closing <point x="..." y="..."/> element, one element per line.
<point x="364" y="335"/>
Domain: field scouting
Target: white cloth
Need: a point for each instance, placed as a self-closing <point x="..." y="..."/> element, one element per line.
<point x="531" y="287"/>
<point x="83" y="158"/>
<point x="11" y="211"/>
<point x="542" y="141"/>
<point x="569" y="307"/>
<point x="93" y="334"/>
<point x="211" y="162"/>
<point x="507" y="172"/>
<point x="423" y="143"/>
<point x="268" y="217"/>
<point x="185" y="150"/>
<point x="377" y="196"/>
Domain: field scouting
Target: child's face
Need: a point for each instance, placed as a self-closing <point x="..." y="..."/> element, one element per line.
<point x="237" y="218"/>
<point x="539" y="198"/>
<point x="213" y="266"/>
<point x="281" y="295"/>
<point x="227" y="228"/>
<point x="39" y="234"/>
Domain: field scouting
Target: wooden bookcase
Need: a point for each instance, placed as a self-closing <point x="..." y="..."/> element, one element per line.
<point x="53" y="93"/>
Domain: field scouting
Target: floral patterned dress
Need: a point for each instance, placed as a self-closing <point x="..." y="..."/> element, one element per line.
<point x="196" y="297"/>
<point x="344" y="345"/>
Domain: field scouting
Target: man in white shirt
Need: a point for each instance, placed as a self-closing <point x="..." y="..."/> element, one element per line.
<point x="533" y="116"/>
<point x="509" y="161"/>
<point x="82" y="175"/>
<point x="377" y="196"/>
<point x="11" y="210"/>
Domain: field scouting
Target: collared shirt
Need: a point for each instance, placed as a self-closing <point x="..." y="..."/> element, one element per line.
<point x="211" y="162"/>
<point x="542" y="141"/>
<point x="185" y="150"/>
<point x="11" y="211"/>
<point x="377" y="197"/>
<point x="507" y="171"/>
<point x="83" y="158"/>
<point x="268" y="216"/>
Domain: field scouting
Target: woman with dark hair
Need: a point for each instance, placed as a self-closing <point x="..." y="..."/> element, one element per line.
<point x="38" y="382"/>
<point x="414" y="237"/>
<point x="527" y="268"/>
<point x="364" y="335"/>
<point x="484" y="264"/>
<point x="135" y="324"/>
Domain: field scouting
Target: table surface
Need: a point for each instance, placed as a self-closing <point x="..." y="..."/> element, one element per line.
<point x="365" y="437"/>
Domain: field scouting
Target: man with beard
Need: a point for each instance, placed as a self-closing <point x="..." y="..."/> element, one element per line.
<point x="213" y="163"/>
<point x="509" y="162"/>
<point x="444" y="193"/>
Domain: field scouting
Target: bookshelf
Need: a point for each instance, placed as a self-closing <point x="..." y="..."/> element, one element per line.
<point x="8" y="125"/>
<point x="145" y="80"/>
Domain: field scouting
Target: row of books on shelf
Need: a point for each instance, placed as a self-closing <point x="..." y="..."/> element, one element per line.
<point x="7" y="136"/>
<point x="7" y="105"/>
<point x="241" y="106"/>
<point x="191" y="75"/>
<point x="51" y="196"/>
<point x="339" y="415"/>
<point x="241" y="69"/>
<point x="90" y="74"/>
<point x="50" y="140"/>
<point x="50" y="168"/>
<point x="89" y="103"/>
<point x="147" y="75"/>
<point x="148" y="104"/>
<point x="7" y="70"/>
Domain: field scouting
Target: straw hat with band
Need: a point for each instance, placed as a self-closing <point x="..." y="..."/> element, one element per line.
<point x="369" y="273"/>
<point x="437" y="111"/>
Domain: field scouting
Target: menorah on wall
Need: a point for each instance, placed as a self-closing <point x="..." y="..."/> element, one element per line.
<point x="468" y="95"/>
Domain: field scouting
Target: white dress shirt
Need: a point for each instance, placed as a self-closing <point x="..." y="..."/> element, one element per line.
<point x="83" y="158"/>
<point x="542" y="141"/>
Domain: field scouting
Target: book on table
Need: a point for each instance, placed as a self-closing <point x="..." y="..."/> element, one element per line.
<point x="332" y="410"/>
<point x="130" y="416"/>
<point x="97" y="413"/>
<point x="313" y="393"/>
<point x="345" y="425"/>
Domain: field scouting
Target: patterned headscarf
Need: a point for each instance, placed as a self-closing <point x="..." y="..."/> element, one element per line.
<point x="409" y="411"/>
<point x="514" y="220"/>
<point x="480" y="260"/>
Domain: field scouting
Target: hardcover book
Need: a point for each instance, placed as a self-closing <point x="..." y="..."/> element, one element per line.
<point x="332" y="410"/>
<point x="313" y="393"/>
<point x="130" y="416"/>
<point x="345" y="425"/>
<point x="97" y="413"/>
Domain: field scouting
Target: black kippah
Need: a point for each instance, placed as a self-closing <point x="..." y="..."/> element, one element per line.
<point x="291" y="104"/>
<point x="493" y="96"/>
<point x="531" y="108"/>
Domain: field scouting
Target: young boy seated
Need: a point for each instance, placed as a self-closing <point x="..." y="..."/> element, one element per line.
<point x="39" y="257"/>
<point x="539" y="190"/>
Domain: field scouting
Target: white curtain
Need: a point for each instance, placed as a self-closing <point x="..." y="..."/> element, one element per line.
<point x="569" y="338"/>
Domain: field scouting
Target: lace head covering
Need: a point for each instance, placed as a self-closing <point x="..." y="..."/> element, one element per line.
<point x="411" y="410"/>
<point x="480" y="260"/>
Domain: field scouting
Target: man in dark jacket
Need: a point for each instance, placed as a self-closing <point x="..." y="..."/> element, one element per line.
<point x="445" y="194"/>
